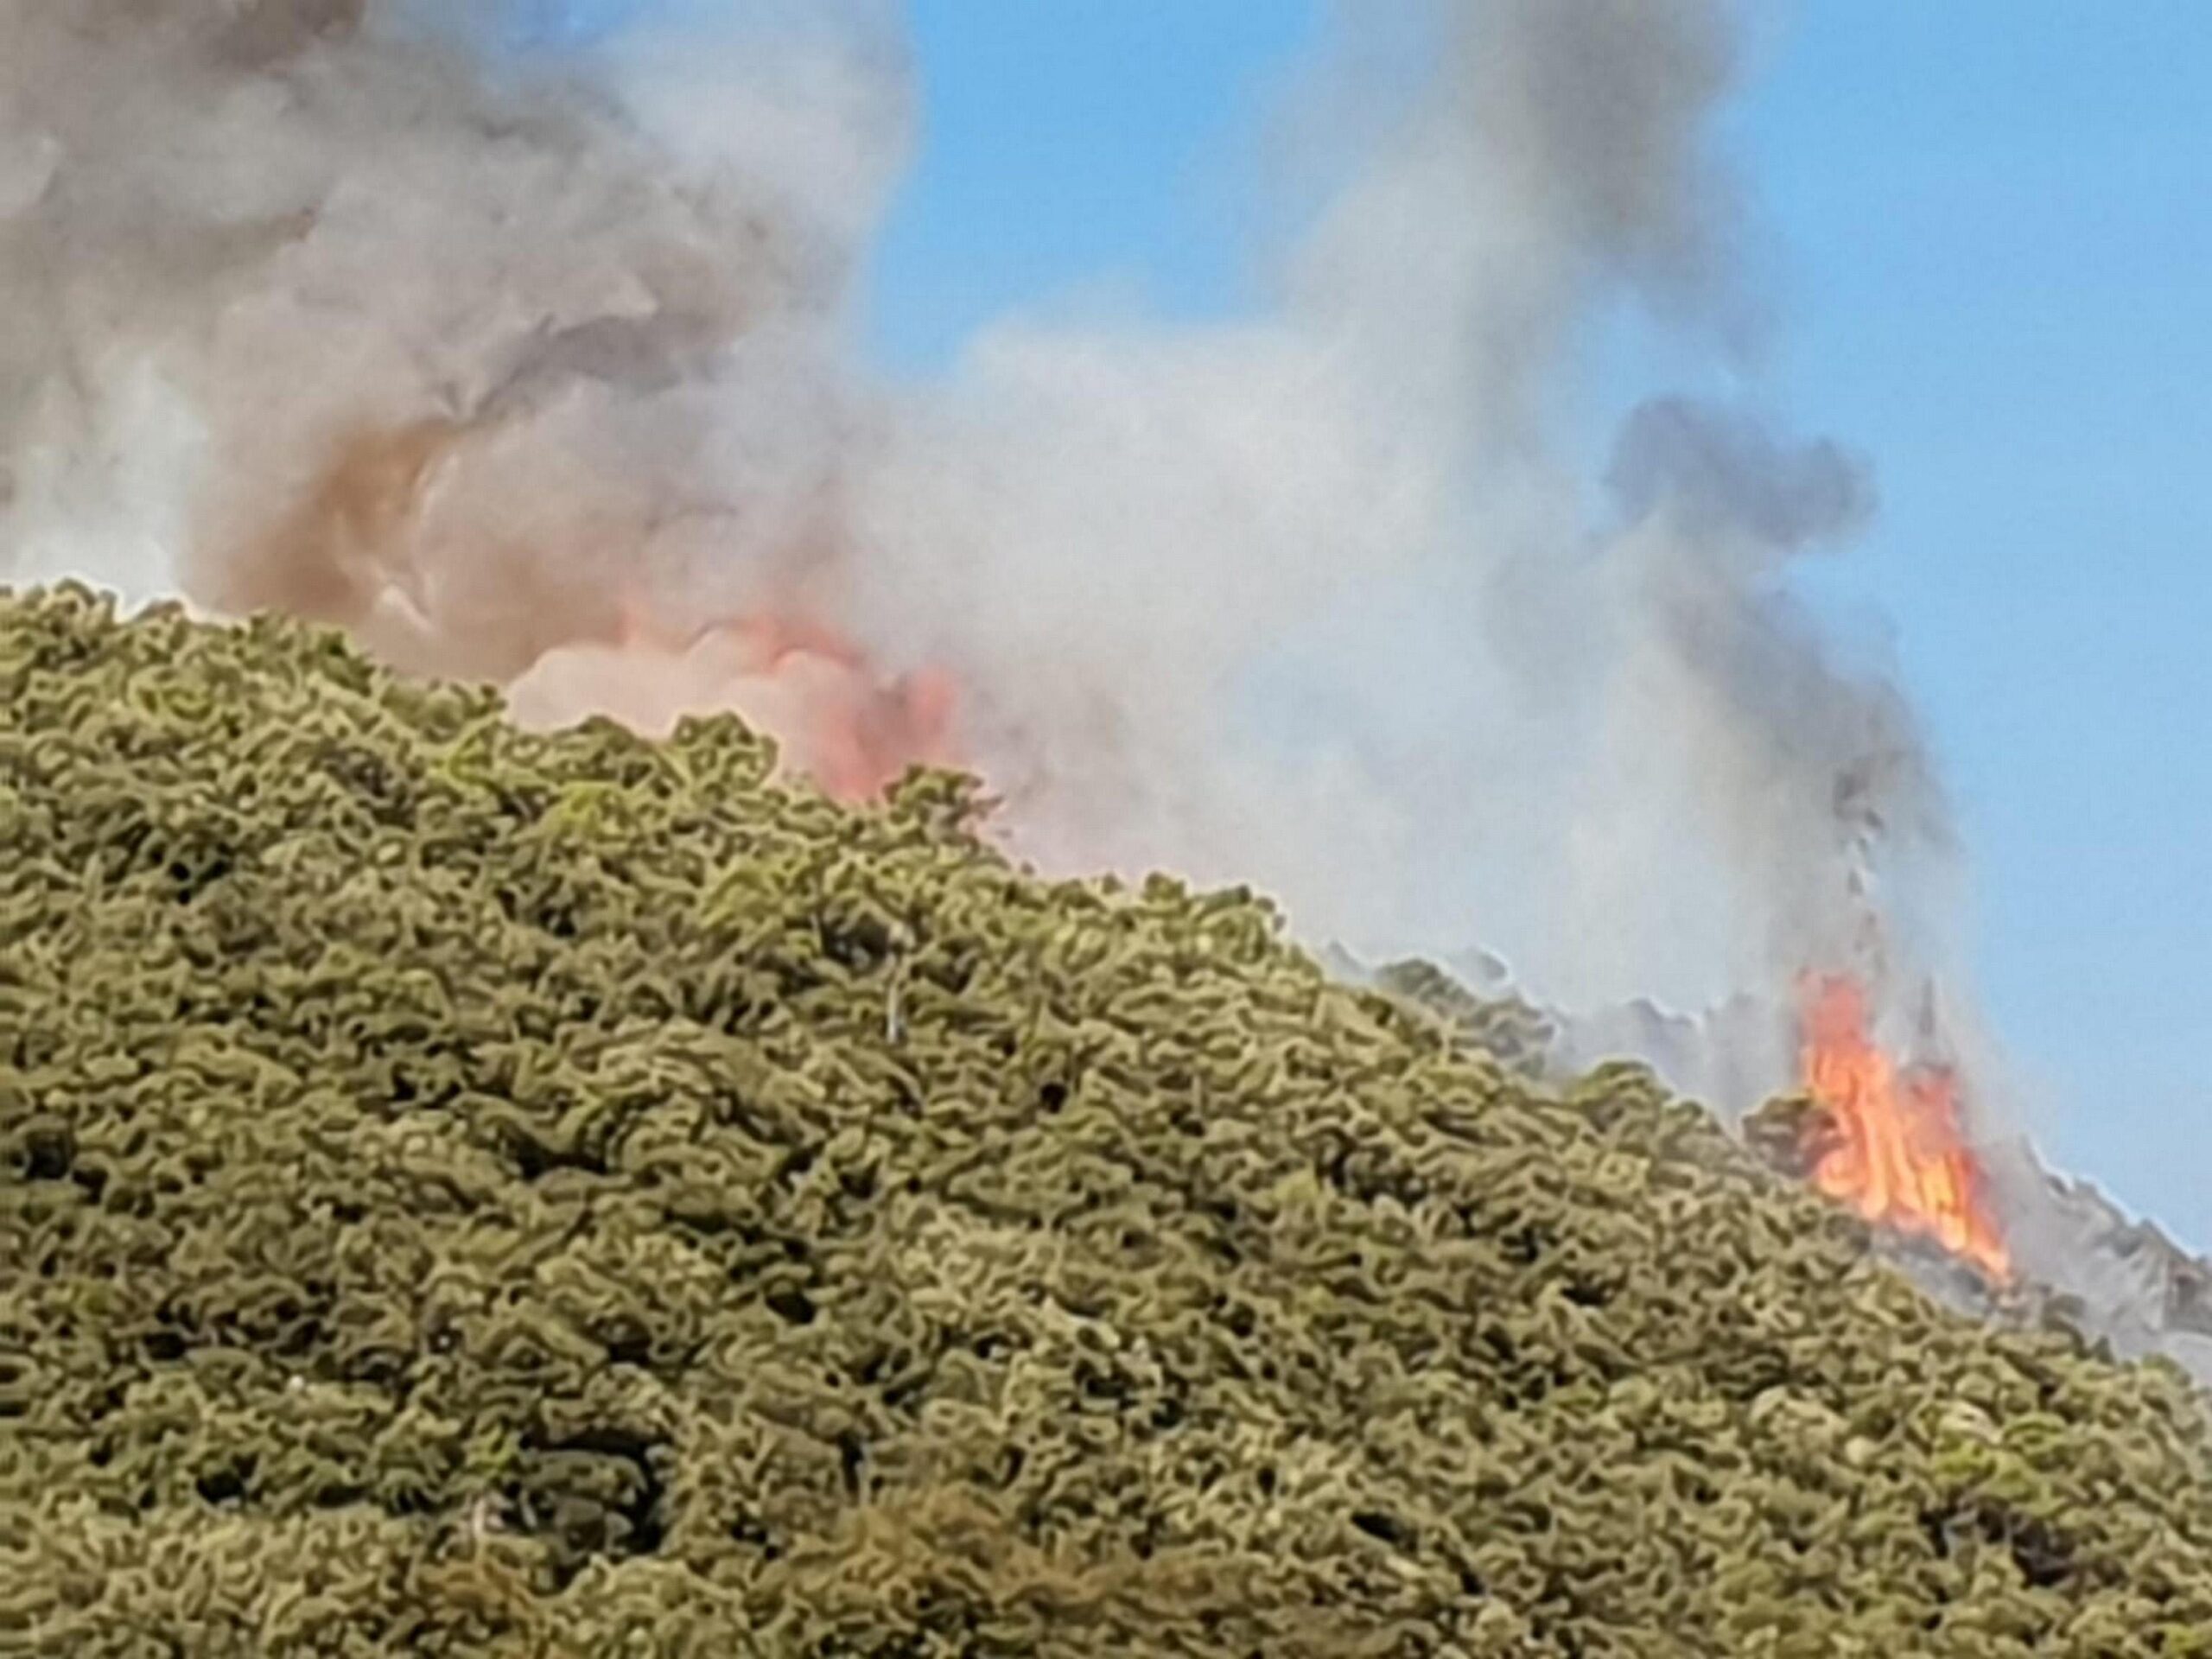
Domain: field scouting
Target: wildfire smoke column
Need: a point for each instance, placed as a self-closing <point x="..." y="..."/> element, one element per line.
<point x="530" y="357"/>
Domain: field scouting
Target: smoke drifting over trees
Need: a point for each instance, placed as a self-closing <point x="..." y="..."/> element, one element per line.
<point x="367" y="311"/>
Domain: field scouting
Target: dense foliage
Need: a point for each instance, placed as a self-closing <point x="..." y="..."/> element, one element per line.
<point x="468" y="1192"/>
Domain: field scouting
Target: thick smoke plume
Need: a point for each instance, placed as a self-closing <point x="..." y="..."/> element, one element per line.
<point x="502" y="344"/>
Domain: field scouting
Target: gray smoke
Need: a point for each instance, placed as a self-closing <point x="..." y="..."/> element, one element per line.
<point x="307" y="304"/>
<point x="349" y="308"/>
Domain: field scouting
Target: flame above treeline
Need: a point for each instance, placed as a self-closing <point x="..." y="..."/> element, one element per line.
<point x="836" y="718"/>
<point x="1891" y="1141"/>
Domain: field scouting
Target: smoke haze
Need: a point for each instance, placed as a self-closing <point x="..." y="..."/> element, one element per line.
<point x="488" y="340"/>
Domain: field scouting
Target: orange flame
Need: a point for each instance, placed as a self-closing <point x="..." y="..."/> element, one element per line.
<point x="1899" y="1154"/>
<point x="834" y="717"/>
<point x="348" y="553"/>
<point x="857" y="735"/>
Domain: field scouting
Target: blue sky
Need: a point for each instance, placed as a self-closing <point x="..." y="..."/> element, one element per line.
<point x="1994" y="226"/>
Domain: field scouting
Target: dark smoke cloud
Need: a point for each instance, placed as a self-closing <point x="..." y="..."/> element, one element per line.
<point x="1726" y="475"/>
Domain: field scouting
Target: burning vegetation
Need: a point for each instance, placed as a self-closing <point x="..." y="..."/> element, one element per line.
<point x="837" y="721"/>
<point x="1890" y="1140"/>
<point x="470" y="1191"/>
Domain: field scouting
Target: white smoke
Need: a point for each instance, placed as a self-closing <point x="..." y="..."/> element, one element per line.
<point x="355" y="310"/>
<point x="1317" y="600"/>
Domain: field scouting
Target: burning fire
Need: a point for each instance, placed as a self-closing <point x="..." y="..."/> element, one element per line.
<point x="835" y="718"/>
<point x="1896" y="1148"/>
<point x="351" y="553"/>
